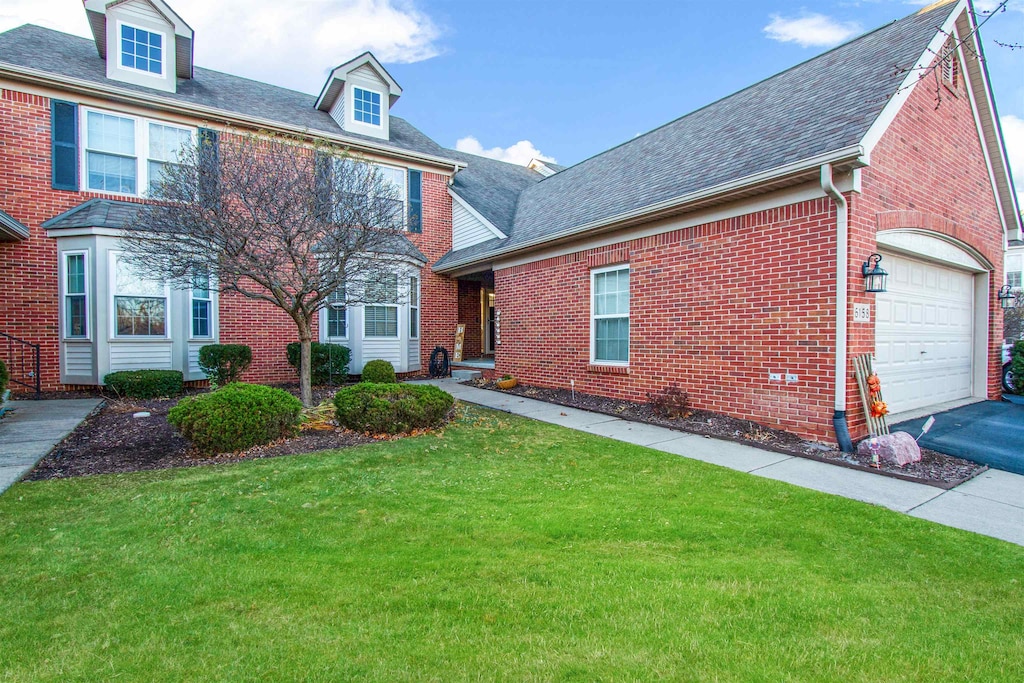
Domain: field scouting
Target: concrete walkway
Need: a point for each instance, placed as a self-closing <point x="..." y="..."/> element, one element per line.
<point x="991" y="504"/>
<point x="31" y="429"/>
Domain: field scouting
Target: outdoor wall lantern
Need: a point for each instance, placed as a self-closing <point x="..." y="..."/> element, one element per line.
<point x="874" y="274"/>
<point x="1006" y="297"/>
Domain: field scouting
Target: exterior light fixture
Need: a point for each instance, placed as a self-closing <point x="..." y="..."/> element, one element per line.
<point x="1006" y="297"/>
<point x="874" y="274"/>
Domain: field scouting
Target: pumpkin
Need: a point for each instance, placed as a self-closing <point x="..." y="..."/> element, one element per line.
<point x="878" y="409"/>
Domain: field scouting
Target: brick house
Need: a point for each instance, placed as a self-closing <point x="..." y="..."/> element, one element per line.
<point x="722" y="251"/>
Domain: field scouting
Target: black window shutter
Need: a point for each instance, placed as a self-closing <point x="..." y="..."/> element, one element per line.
<point x="209" y="167"/>
<point x="415" y="201"/>
<point x="64" y="145"/>
<point x="323" y="168"/>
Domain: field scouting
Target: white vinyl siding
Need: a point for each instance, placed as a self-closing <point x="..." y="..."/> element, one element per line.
<point x="609" y="315"/>
<point x="467" y="229"/>
<point x="139" y="10"/>
<point x="193" y="358"/>
<point x="141" y="356"/>
<point x="78" y="359"/>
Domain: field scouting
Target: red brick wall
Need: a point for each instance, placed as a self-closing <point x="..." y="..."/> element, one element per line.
<point x="469" y="315"/>
<point x="928" y="171"/>
<point x="714" y="308"/>
<point x="29" y="307"/>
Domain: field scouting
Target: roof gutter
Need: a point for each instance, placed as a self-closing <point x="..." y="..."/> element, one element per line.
<point x="852" y="155"/>
<point x="85" y="87"/>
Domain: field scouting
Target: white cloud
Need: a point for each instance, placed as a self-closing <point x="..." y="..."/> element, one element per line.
<point x="520" y="153"/>
<point x="811" y="30"/>
<point x="293" y="43"/>
<point x="1013" y="136"/>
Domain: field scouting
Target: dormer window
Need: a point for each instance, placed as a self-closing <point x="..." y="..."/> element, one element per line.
<point x="142" y="50"/>
<point x="366" y="106"/>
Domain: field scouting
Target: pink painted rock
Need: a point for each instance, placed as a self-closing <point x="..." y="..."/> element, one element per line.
<point x="898" y="448"/>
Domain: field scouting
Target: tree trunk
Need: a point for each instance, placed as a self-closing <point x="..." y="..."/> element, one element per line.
<point x="305" y="363"/>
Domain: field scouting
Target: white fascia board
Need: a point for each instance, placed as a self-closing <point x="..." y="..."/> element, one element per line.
<point x="476" y="214"/>
<point x="108" y="92"/>
<point x="181" y="28"/>
<point x="853" y="155"/>
<point x="85" y="232"/>
<point x="914" y="76"/>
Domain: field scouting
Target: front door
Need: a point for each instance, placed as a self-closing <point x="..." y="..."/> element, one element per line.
<point x="488" y="302"/>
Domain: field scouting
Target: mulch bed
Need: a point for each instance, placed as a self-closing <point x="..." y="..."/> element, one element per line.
<point x="935" y="469"/>
<point x="111" y="440"/>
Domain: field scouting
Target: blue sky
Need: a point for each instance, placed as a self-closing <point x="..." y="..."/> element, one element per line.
<point x="561" y="78"/>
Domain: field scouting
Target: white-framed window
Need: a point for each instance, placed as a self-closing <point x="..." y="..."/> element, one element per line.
<point x="609" y="315"/>
<point x="76" y="295"/>
<point x="112" y="147"/>
<point x="390" y="176"/>
<point x="380" y="319"/>
<point x="141" y="49"/>
<point x="1014" y="269"/>
<point x="201" y="306"/>
<point x="366" y="106"/>
<point x="139" y="303"/>
<point x="414" y="307"/>
<point x="337" y="314"/>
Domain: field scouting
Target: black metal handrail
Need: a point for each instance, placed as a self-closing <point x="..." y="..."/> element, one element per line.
<point x="22" y="360"/>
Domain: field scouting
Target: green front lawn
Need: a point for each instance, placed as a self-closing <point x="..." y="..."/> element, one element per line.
<point x="504" y="549"/>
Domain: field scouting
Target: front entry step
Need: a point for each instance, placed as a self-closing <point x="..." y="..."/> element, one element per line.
<point x="463" y="375"/>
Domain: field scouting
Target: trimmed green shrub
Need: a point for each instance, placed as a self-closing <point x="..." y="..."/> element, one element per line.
<point x="5" y="377"/>
<point x="328" y="362"/>
<point x="379" y="372"/>
<point x="391" y="408"/>
<point x="236" y="417"/>
<point x="1017" y="366"/>
<point x="224" y="363"/>
<point x="145" y="383"/>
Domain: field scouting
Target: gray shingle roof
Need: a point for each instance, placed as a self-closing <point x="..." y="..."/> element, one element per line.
<point x="95" y="213"/>
<point x="823" y="105"/>
<point x="492" y="187"/>
<point x="66" y="55"/>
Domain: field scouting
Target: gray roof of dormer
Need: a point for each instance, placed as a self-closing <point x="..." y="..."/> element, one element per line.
<point x="11" y="229"/>
<point x="825" y="104"/>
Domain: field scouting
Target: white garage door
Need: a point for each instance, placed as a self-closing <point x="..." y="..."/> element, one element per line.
<point x="924" y="334"/>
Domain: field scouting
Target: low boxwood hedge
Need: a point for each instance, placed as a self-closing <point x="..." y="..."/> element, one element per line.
<point x="224" y="363"/>
<point x="236" y="417"/>
<point x="328" y="362"/>
<point x="391" y="408"/>
<point x="145" y="383"/>
<point x="379" y="372"/>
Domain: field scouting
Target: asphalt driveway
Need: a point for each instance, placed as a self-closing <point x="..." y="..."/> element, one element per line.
<point x="989" y="432"/>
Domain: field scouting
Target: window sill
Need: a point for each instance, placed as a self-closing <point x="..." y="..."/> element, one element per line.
<point x="600" y="369"/>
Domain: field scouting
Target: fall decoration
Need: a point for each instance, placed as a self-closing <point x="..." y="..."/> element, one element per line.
<point x="874" y="384"/>
<point x="879" y="408"/>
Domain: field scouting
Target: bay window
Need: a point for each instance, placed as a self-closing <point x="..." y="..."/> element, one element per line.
<point x="414" y="307"/>
<point x="140" y="303"/>
<point x="381" y="318"/>
<point x="609" y="314"/>
<point x="202" y="307"/>
<point x="76" y="300"/>
<point x="337" y="314"/>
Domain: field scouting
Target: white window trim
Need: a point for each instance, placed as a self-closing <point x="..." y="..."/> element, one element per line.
<point x="325" y="324"/>
<point x="383" y="106"/>
<point x="141" y="149"/>
<point x="114" y="336"/>
<point x="162" y="76"/>
<point x="64" y="294"/>
<point x="419" y="320"/>
<point x="594" y="318"/>
<point x="212" y="298"/>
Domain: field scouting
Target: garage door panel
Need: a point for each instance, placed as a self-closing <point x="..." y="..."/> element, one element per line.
<point x="924" y="334"/>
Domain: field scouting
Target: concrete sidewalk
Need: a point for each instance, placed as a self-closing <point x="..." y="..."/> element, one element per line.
<point x="991" y="504"/>
<point x="32" y="428"/>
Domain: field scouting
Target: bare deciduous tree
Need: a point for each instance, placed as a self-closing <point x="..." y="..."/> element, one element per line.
<point x="273" y="218"/>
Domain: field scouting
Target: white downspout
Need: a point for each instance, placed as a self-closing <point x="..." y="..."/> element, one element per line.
<point x="842" y="267"/>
